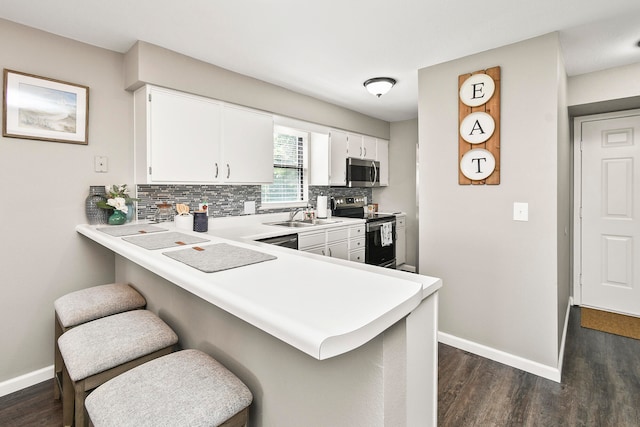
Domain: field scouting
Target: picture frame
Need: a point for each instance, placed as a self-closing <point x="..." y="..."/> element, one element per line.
<point x="44" y="109"/>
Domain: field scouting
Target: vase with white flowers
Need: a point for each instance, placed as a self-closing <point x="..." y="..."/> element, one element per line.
<point x="119" y="201"/>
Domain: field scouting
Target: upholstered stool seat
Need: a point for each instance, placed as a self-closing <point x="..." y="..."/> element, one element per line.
<point x="89" y="304"/>
<point x="97" y="351"/>
<point x="184" y="388"/>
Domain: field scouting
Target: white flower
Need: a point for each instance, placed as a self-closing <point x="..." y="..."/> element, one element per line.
<point x="118" y="203"/>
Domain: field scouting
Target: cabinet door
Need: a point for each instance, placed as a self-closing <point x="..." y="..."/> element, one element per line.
<point x="247" y="146"/>
<point x="338" y="146"/>
<point x="354" y="146"/>
<point x="369" y="148"/>
<point x="183" y="136"/>
<point x="383" y="157"/>
<point x="338" y="250"/>
<point x="319" y="159"/>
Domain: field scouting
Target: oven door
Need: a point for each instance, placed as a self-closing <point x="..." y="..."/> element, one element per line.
<point x="378" y="251"/>
<point x="363" y="173"/>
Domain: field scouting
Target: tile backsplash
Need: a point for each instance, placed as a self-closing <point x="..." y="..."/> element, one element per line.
<point x="224" y="200"/>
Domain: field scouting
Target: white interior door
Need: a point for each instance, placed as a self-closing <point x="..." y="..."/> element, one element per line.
<point x="610" y="209"/>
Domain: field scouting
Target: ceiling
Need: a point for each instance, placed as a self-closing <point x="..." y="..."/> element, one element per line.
<point x="327" y="49"/>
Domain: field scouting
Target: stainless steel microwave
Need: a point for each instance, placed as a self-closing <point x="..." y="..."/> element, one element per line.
<point x="363" y="173"/>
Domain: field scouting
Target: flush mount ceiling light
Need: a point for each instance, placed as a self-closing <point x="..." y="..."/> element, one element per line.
<point x="378" y="86"/>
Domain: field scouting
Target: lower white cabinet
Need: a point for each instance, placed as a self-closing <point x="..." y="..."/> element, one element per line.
<point x="343" y="242"/>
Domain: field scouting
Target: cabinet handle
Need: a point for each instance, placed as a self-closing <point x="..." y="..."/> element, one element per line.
<point x="216" y="170"/>
<point x="323" y="254"/>
<point x="329" y="251"/>
<point x="228" y="171"/>
<point x="365" y="151"/>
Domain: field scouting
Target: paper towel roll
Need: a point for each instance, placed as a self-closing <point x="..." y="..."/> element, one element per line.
<point x="321" y="206"/>
<point x="184" y="222"/>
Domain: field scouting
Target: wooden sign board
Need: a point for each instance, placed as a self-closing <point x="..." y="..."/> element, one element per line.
<point x="479" y="127"/>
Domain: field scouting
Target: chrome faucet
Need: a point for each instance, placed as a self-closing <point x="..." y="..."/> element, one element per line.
<point x="294" y="212"/>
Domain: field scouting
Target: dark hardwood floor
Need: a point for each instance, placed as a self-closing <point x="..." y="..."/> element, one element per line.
<point x="600" y="387"/>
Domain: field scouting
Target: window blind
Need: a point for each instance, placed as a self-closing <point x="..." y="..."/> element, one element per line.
<point x="288" y="170"/>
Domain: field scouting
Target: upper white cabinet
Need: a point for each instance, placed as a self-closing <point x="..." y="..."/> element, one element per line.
<point x="382" y="156"/>
<point x="338" y="159"/>
<point x="319" y="159"/>
<point x="183" y="138"/>
<point x="247" y="149"/>
<point x="361" y="146"/>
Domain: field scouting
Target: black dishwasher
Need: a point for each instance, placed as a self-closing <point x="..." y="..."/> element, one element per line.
<point x="286" y="241"/>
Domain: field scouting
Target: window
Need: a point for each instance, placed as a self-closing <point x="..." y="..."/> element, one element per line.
<point x="290" y="171"/>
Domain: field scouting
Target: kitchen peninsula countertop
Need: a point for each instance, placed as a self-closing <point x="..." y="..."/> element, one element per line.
<point x="323" y="307"/>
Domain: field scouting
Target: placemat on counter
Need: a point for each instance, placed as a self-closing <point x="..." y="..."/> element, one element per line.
<point x="218" y="257"/>
<point x="129" y="230"/>
<point x="164" y="240"/>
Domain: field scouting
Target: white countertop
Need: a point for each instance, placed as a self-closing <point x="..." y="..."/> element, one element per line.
<point x="319" y="305"/>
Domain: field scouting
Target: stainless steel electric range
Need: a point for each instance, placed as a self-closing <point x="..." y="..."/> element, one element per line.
<point x="380" y="246"/>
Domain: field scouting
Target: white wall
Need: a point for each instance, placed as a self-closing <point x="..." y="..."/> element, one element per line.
<point x="400" y="195"/>
<point x="614" y="83"/>
<point x="43" y="187"/>
<point x="500" y="276"/>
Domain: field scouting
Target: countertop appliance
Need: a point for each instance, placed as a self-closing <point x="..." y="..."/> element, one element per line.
<point x="363" y="173"/>
<point x="380" y="236"/>
<point x="286" y="241"/>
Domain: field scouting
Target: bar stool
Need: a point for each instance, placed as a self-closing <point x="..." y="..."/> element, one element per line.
<point x="184" y="388"/>
<point x="97" y="351"/>
<point x="89" y="304"/>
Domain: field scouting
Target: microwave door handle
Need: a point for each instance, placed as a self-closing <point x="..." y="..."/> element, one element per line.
<point x="375" y="171"/>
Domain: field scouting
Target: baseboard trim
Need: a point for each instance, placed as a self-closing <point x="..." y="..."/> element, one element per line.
<point x="500" y="356"/>
<point x="564" y="338"/>
<point x="27" y="380"/>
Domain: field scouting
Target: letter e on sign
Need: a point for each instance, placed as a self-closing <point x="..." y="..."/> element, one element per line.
<point x="477" y="90"/>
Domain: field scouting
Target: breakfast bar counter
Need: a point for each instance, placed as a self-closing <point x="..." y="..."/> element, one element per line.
<point x="331" y="341"/>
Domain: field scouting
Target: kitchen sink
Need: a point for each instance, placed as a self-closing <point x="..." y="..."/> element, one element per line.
<point x="301" y="223"/>
<point x="291" y="224"/>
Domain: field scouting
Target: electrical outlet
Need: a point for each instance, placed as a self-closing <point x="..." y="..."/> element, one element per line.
<point x="250" y="208"/>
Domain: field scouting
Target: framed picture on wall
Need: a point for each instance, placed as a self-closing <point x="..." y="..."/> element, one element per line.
<point x="44" y="109"/>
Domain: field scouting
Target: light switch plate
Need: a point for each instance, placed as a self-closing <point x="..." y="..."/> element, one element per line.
<point x="520" y="211"/>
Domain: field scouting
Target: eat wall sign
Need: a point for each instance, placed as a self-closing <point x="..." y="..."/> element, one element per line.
<point x="479" y="127"/>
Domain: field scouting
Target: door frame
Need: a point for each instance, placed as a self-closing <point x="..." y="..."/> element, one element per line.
<point x="577" y="193"/>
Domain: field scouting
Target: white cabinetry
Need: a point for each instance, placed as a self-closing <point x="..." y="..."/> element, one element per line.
<point x="357" y="243"/>
<point x="177" y="136"/>
<point x="183" y="138"/>
<point x="338" y="243"/>
<point x="382" y="156"/>
<point x="247" y="148"/>
<point x="343" y="242"/>
<point x="401" y="242"/>
<point x="361" y="147"/>
<point x="338" y="163"/>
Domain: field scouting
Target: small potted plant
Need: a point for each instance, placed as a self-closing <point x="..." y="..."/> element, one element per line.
<point x="119" y="201"/>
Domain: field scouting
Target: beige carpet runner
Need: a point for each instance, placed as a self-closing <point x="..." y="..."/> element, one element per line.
<point x="613" y="323"/>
